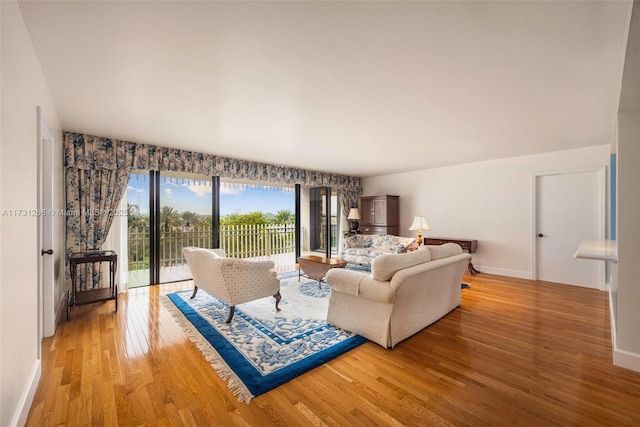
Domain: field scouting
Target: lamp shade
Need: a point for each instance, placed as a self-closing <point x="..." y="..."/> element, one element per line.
<point x="353" y="214"/>
<point x="419" y="223"/>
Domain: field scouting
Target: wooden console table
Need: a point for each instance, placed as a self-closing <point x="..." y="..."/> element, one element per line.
<point x="466" y="245"/>
<point x="87" y="296"/>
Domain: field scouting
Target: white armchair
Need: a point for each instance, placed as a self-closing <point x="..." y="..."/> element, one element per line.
<point x="231" y="280"/>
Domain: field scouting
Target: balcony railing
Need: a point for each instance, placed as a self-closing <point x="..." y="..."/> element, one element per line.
<point x="241" y="241"/>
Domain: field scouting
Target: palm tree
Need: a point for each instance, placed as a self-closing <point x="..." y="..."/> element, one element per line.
<point x="284" y="216"/>
<point x="169" y="217"/>
<point x="134" y="218"/>
<point x="190" y="218"/>
<point x="204" y="221"/>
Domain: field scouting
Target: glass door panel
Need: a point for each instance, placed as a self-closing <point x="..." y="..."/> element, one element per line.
<point x="257" y="221"/>
<point x="324" y="212"/>
<point x="334" y="222"/>
<point x="184" y="220"/>
<point x="138" y="247"/>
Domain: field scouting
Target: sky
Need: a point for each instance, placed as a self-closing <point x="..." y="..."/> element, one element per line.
<point x="195" y="197"/>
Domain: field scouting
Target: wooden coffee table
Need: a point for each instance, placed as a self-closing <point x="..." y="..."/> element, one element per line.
<point x="316" y="267"/>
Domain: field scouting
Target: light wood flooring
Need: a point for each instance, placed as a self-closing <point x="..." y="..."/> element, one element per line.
<point x="516" y="352"/>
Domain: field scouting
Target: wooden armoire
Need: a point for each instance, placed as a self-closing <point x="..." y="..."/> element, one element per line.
<point x="380" y="215"/>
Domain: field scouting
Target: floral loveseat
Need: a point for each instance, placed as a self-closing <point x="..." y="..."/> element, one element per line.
<point x="363" y="248"/>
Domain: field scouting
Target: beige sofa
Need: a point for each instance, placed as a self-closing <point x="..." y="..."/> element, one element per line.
<point x="403" y="294"/>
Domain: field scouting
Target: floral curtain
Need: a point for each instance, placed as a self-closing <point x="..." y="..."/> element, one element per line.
<point x="95" y="183"/>
<point x="93" y="196"/>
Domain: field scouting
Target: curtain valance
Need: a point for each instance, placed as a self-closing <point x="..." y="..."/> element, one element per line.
<point x="87" y="152"/>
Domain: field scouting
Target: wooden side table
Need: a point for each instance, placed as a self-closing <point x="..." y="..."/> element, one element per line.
<point x="88" y="296"/>
<point x="467" y="245"/>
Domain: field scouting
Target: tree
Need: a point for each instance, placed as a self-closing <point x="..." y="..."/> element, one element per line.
<point x="229" y="219"/>
<point x="284" y="216"/>
<point x="190" y="218"/>
<point x="204" y="221"/>
<point x="134" y="218"/>
<point x="169" y="217"/>
<point x="253" y="218"/>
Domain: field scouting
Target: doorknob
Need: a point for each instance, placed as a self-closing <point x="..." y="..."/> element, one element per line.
<point x="540" y="235"/>
<point x="48" y="252"/>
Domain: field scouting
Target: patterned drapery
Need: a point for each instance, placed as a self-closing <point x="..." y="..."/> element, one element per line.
<point x="94" y="188"/>
<point x="97" y="172"/>
<point x="92" y="199"/>
<point x="89" y="152"/>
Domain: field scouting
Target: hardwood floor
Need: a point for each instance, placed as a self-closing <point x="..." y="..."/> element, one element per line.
<point x="516" y="352"/>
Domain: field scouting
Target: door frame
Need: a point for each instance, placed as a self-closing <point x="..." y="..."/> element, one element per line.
<point x="46" y="233"/>
<point x="601" y="170"/>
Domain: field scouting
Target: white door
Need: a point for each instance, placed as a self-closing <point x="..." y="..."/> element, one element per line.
<point x="570" y="208"/>
<point x="46" y="214"/>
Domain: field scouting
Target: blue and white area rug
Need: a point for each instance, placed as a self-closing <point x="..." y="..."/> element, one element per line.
<point x="261" y="348"/>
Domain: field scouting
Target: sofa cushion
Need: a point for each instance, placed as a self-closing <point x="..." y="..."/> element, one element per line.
<point x="443" y="251"/>
<point x="366" y="252"/>
<point x="360" y="256"/>
<point x="385" y="266"/>
<point x="384" y="242"/>
<point x="392" y="243"/>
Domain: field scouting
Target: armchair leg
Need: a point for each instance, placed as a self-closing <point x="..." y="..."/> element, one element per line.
<point x="195" y="291"/>
<point x="278" y="297"/>
<point x="231" y="312"/>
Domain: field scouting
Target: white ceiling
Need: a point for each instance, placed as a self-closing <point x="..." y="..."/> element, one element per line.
<point x="360" y="88"/>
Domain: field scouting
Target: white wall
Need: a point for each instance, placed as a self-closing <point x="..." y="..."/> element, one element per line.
<point x="627" y="314"/>
<point x="490" y="201"/>
<point x="626" y="298"/>
<point x="23" y="88"/>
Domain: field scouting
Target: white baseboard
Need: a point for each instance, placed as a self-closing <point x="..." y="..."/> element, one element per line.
<point x="627" y="360"/>
<point x="24" y="405"/>
<point x="622" y="358"/>
<point x="504" y="272"/>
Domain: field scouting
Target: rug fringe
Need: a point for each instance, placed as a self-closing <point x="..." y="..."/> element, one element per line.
<point x="234" y="383"/>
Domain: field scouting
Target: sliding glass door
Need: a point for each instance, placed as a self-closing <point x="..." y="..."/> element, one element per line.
<point x="184" y="220"/>
<point x="324" y="214"/>
<point x="166" y="212"/>
<point x="257" y="221"/>
<point x="138" y="230"/>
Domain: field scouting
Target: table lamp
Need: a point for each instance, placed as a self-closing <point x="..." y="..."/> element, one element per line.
<point x="353" y="218"/>
<point x="420" y="224"/>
